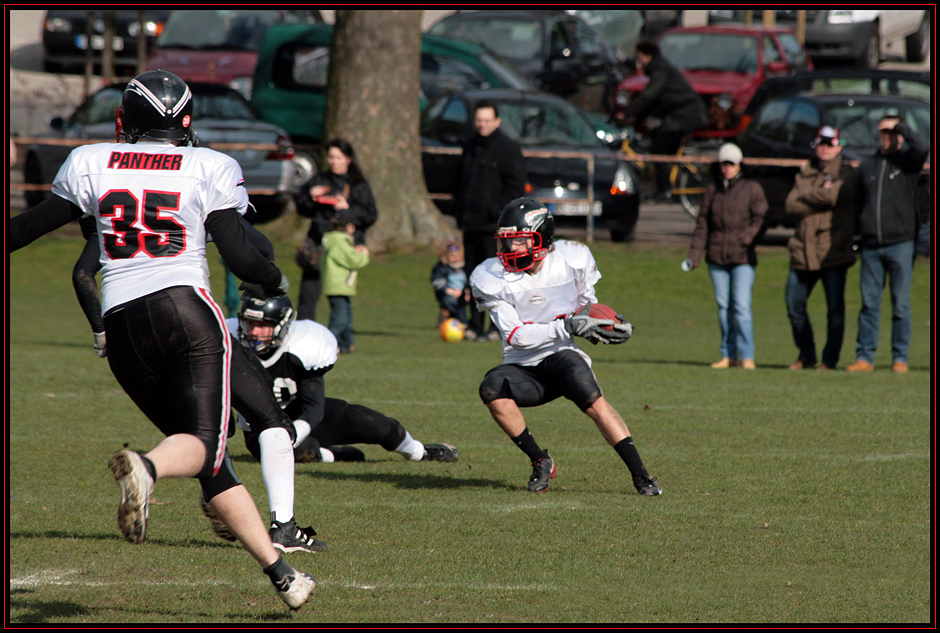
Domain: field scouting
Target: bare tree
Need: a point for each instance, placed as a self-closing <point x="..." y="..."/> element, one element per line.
<point x="372" y="102"/>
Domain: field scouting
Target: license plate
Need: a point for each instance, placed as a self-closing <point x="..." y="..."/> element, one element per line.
<point x="575" y="208"/>
<point x="97" y="42"/>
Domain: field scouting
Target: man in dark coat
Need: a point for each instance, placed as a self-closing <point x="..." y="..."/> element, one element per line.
<point x="668" y="96"/>
<point x="492" y="174"/>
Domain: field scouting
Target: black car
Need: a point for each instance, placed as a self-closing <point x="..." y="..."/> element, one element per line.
<point x="557" y="51"/>
<point x="785" y="128"/>
<point x="65" y="36"/>
<point x="543" y="125"/>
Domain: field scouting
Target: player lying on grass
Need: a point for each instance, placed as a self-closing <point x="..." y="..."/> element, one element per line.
<point x="538" y="292"/>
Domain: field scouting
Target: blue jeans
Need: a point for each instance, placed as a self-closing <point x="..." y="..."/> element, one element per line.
<point x="800" y="284"/>
<point x="341" y="321"/>
<point x="733" y="288"/>
<point x="897" y="263"/>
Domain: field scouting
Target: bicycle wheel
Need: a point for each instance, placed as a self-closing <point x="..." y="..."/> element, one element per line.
<point x="690" y="187"/>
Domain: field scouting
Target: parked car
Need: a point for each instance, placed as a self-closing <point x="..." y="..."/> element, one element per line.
<point x="65" y="36"/>
<point x="904" y="83"/>
<point x="860" y="36"/>
<point x="785" y="128"/>
<point x="219" y="46"/>
<point x="558" y="52"/>
<point x="220" y="115"/>
<point x="539" y="122"/>
<point x="725" y="65"/>
<point x="292" y="72"/>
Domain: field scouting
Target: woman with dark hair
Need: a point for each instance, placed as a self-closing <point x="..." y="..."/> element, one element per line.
<point x="341" y="187"/>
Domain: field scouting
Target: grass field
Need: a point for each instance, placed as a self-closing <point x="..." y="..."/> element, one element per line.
<point x="789" y="497"/>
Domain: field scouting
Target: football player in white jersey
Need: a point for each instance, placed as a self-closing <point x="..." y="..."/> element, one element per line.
<point x="251" y="393"/>
<point x="155" y="199"/>
<point x="537" y="291"/>
<point x="296" y="355"/>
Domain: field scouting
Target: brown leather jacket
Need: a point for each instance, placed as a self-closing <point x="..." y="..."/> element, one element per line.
<point x="728" y="222"/>
<point x="822" y="198"/>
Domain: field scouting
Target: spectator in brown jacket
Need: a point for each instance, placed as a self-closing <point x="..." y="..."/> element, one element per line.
<point x="821" y="247"/>
<point x="729" y="221"/>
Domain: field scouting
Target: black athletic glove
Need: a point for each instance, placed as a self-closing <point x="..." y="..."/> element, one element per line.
<point x="266" y="292"/>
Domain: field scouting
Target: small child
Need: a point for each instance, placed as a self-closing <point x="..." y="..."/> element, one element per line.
<point x="449" y="281"/>
<point x="340" y="264"/>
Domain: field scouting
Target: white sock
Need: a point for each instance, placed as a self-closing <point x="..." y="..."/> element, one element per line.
<point x="302" y="427"/>
<point x="327" y="455"/>
<point x="277" y="470"/>
<point x="411" y="448"/>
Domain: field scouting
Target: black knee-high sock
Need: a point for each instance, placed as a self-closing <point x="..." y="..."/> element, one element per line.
<point x="527" y="445"/>
<point x="631" y="458"/>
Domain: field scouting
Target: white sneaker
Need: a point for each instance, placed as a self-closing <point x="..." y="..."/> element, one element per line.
<point x="295" y="589"/>
<point x="136" y="484"/>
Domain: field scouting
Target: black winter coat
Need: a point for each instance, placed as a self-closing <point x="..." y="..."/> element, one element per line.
<point x="886" y="192"/>
<point x="360" y="199"/>
<point x="492" y="174"/>
<point x="670" y="97"/>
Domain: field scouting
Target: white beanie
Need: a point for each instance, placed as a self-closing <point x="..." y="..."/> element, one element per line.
<point x="730" y="153"/>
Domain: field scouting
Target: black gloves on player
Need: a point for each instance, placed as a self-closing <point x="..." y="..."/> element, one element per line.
<point x="267" y="292"/>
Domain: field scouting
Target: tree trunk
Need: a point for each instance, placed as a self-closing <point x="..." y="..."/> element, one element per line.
<point x="372" y="102"/>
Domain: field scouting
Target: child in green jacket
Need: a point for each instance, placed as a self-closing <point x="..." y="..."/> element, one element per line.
<point x="340" y="264"/>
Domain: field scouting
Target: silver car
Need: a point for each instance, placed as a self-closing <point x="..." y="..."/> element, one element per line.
<point x="222" y="119"/>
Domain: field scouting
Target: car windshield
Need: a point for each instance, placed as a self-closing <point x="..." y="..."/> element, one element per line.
<point x="517" y="39"/>
<point x="535" y="124"/>
<point x="857" y="120"/>
<point x="221" y="29"/>
<point x="710" y="51"/>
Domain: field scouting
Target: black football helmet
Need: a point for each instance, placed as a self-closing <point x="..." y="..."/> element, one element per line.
<point x="524" y="218"/>
<point x="157" y="105"/>
<point x="277" y="312"/>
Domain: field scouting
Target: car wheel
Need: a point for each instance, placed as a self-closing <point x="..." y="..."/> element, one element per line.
<point x="918" y="43"/>
<point x="32" y="175"/>
<point x="305" y="168"/>
<point x="871" y="53"/>
<point x="619" y="236"/>
<point x="690" y="186"/>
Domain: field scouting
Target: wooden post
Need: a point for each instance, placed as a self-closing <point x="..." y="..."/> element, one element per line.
<point x="107" y="50"/>
<point x="801" y="26"/>
<point x="770" y="17"/>
<point x="141" y="42"/>
<point x="89" y="60"/>
<point x="590" y="213"/>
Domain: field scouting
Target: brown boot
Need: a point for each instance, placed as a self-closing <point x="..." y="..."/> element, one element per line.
<point x="860" y="365"/>
<point x="803" y="363"/>
<point x="899" y="367"/>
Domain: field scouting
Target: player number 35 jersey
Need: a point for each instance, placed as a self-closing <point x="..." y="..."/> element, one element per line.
<point x="150" y="201"/>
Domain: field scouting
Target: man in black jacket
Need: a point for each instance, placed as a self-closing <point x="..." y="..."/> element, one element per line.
<point x="668" y="96"/>
<point x="492" y="174"/>
<point x="887" y="219"/>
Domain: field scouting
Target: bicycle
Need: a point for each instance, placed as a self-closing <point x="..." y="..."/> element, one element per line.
<point x="687" y="180"/>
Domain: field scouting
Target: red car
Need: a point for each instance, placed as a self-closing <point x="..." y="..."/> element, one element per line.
<point x="725" y="65"/>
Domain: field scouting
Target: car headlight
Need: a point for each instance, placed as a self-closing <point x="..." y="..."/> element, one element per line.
<point x="621" y="98"/>
<point x="242" y="85"/>
<point x="58" y="25"/>
<point x="724" y="101"/>
<point x="623" y="181"/>
<point x="151" y="28"/>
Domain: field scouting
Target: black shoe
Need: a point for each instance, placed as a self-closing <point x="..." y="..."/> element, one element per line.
<point x="347" y="454"/>
<point x="647" y="486"/>
<point x="440" y="453"/>
<point x="543" y="471"/>
<point x="287" y="537"/>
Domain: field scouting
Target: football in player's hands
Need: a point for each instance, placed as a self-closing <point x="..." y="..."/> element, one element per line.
<point x="601" y="311"/>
